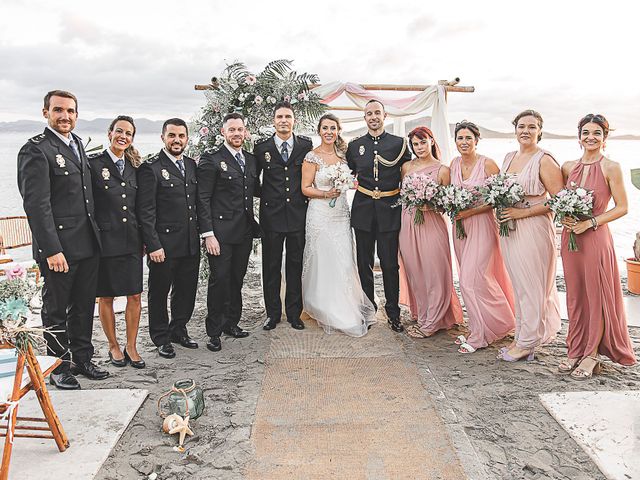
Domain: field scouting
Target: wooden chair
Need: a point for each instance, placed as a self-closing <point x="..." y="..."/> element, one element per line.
<point x="21" y="386"/>
<point x="15" y="233"/>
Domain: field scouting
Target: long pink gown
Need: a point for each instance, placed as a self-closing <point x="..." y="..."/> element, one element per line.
<point x="530" y="257"/>
<point x="484" y="283"/>
<point x="594" y="294"/>
<point x="426" y="257"/>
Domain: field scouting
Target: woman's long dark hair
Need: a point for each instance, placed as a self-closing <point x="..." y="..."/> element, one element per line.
<point x="130" y="153"/>
<point x="340" y="145"/>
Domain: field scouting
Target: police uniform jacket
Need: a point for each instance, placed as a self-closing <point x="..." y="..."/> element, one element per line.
<point x="115" y="205"/>
<point x="361" y="154"/>
<point x="57" y="198"/>
<point x="225" y="196"/>
<point x="283" y="207"/>
<point x="166" y="206"/>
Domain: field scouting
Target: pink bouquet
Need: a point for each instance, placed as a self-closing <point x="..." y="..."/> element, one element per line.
<point x="576" y="202"/>
<point x="17" y="271"/>
<point x="502" y="191"/>
<point x="418" y="190"/>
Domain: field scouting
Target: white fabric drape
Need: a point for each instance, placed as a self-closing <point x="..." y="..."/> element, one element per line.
<point x="432" y="97"/>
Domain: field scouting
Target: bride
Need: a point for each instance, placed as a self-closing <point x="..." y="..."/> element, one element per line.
<point x="331" y="291"/>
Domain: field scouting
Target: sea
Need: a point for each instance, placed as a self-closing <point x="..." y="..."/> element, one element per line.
<point x="623" y="151"/>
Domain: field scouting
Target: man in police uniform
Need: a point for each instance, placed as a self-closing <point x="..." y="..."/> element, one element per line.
<point x="227" y="183"/>
<point x="376" y="158"/>
<point x="283" y="210"/>
<point x="55" y="184"/>
<point x="166" y="208"/>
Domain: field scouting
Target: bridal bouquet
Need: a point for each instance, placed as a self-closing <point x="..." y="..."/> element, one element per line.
<point x="341" y="177"/>
<point x="502" y="191"/>
<point x="453" y="199"/>
<point x="16" y="293"/>
<point x="574" y="202"/>
<point x="417" y="191"/>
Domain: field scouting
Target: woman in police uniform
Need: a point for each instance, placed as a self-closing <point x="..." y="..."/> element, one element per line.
<point x="120" y="274"/>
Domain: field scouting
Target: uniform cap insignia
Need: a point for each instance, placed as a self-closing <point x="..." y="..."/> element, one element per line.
<point x="223" y="166"/>
<point x="165" y="174"/>
<point x="361" y="150"/>
<point x="267" y="157"/>
<point x="106" y="174"/>
<point x="61" y="161"/>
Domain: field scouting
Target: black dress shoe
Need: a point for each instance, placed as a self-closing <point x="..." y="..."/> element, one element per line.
<point x="118" y="363"/>
<point x="395" y="324"/>
<point x="237" y="332"/>
<point x="64" y="381"/>
<point x="185" y="340"/>
<point x="89" y="370"/>
<point x="166" y="351"/>
<point x="214" y="344"/>
<point x="297" y="324"/>
<point x="134" y="363"/>
<point x="270" y="323"/>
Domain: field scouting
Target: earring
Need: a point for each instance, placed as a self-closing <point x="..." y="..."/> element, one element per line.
<point x="580" y="145"/>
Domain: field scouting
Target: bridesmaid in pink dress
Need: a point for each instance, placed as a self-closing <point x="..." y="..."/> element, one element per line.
<point x="597" y="320"/>
<point x="424" y="249"/>
<point x="530" y="250"/>
<point x="484" y="283"/>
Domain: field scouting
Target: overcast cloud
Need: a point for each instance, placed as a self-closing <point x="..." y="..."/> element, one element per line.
<point x="142" y="58"/>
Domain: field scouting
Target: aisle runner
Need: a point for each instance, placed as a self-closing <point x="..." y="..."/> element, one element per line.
<point x="338" y="407"/>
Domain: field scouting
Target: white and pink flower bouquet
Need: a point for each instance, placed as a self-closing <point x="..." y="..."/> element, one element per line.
<point x="453" y="199"/>
<point x="576" y="202"/>
<point x="16" y="293"/>
<point x="502" y="191"/>
<point x="418" y="190"/>
<point x="341" y="177"/>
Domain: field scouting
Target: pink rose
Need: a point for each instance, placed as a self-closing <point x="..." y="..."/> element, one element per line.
<point x="18" y="271"/>
<point x="250" y="79"/>
<point x="204" y="131"/>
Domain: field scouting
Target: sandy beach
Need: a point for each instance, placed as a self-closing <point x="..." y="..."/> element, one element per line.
<point x="489" y="409"/>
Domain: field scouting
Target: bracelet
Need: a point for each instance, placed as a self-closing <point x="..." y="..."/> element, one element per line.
<point x="594" y="223"/>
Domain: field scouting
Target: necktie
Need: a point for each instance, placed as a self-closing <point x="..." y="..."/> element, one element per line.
<point x="180" y="164"/>
<point x="120" y="165"/>
<point x="74" y="147"/>
<point x="285" y="152"/>
<point x="240" y="160"/>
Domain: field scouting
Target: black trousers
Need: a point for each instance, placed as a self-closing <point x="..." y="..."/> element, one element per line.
<point x="68" y="301"/>
<point x="272" y="244"/>
<point x="224" y="296"/>
<point x="180" y="277"/>
<point x="387" y="246"/>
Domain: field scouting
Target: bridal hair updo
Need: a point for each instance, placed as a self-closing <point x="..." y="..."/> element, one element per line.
<point x="340" y="145"/>
<point x="529" y="113"/>
<point x="424" y="133"/>
<point x="598" y="120"/>
<point x="131" y="153"/>
<point x="467" y="125"/>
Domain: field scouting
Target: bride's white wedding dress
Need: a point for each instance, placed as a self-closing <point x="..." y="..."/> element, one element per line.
<point x="331" y="290"/>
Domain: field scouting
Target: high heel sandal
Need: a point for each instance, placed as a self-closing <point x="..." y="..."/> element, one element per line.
<point x="566" y="366"/>
<point x="508" y="358"/>
<point x="582" y="374"/>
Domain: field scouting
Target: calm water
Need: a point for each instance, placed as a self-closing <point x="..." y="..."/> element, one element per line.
<point x="623" y="151"/>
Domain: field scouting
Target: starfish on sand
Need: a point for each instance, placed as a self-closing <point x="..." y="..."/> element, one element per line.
<point x="179" y="425"/>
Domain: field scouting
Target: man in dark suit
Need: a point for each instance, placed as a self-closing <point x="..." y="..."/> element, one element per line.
<point x="166" y="208"/>
<point x="55" y="184"/>
<point x="283" y="210"/>
<point x="227" y="183"/>
<point x="377" y="158"/>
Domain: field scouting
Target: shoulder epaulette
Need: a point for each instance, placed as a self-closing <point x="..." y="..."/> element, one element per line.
<point x="38" y="138"/>
<point x="94" y="155"/>
<point x="151" y="158"/>
<point x="212" y="150"/>
<point x="262" y="140"/>
<point x="304" y="137"/>
<point x="356" y="138"/>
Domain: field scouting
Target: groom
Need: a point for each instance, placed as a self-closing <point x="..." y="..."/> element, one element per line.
<point x="376" y="158"/>
<point x="283" y="210"/>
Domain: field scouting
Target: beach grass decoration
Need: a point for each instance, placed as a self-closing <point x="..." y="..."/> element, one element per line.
<point x="239" y="90"/>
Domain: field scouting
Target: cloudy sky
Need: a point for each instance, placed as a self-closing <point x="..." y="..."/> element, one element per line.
<point x="142" y="58"/>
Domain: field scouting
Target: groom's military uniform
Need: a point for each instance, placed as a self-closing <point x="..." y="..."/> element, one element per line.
<point x="55" y="184"/>
<point x="377" y="162"/>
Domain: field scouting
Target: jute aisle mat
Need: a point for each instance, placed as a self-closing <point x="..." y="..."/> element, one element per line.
<point x="335" y="407"/>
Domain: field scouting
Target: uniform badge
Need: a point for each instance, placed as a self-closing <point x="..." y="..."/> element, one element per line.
<point x="106" y="174"/>
<point x="223" y="166"/>
<point x="165" y="174"/>
<point x="61" y="161"/>
<point x="361" y="150"/>
<point x="267" y="157"/>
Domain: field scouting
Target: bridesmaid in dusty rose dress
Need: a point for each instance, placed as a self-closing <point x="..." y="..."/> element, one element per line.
<point x="597" y="320"/>
<point x="530" y="250"/>
<point x="424" y="249"/>
<point x="484" y="283"/>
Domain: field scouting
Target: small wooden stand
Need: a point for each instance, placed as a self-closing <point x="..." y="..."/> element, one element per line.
<point x="29" y="361"/>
